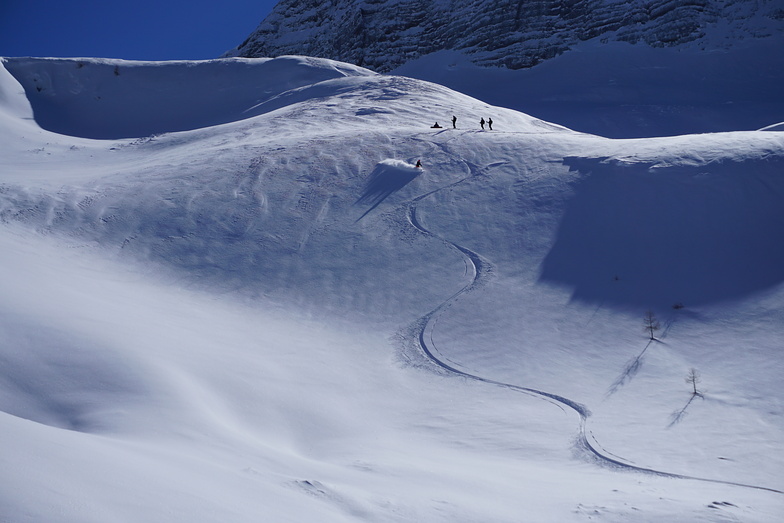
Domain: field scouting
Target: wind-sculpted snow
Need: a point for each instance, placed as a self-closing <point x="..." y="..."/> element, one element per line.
<point x="232" y="322"/>
<point x="108" y="99"/>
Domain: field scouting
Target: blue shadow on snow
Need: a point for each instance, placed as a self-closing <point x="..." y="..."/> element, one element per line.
<point x="634" y="234"/>
<point x="385" y="180"/>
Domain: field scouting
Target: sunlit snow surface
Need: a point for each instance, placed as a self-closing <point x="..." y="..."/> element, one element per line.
<point x="227" y="294"/>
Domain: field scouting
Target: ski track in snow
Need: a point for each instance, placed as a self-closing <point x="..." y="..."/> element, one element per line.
<point x="482" y="269"/>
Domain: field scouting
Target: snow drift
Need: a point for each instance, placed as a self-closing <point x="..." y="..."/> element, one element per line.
<point x="108" y="99"/>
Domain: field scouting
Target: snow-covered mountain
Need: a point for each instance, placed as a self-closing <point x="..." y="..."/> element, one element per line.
<point x="385" y="34"/>
<point x="601" y="63"/>
<point x="228" y="295"/>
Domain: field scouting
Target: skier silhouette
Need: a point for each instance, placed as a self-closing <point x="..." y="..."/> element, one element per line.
<point x="454" y="122"/>
<point x="482" y="123"/>
<point x="418" y="164"/>
<point x="490" y="123"/>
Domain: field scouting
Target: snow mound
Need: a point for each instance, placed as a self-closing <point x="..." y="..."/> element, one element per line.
<point x="399" y="166"/>
<point x="110" y="99"/>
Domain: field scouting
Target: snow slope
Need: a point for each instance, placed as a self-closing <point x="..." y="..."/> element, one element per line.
<point x="638" y="68"/>
<point x="621" y="90"/>
<point x="253" y="307"/>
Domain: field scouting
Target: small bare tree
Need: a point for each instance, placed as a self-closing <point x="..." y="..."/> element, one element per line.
<point x="651" y="324"/>
<point x="693" y="379"/>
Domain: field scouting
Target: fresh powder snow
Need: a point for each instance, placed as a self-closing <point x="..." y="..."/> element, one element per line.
<point x="228" y="294"/>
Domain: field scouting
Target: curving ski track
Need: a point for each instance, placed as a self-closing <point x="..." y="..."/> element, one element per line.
<point x="482" y="270"/>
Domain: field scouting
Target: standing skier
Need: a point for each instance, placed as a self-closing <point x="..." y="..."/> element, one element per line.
<point x="454" y="122"/>
<point x="482" y="123"/>
<point x="490" y="123"/>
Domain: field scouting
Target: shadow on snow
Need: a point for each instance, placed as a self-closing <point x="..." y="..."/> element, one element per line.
<point x="635" y="234"/>
<point x="388" y="177"/>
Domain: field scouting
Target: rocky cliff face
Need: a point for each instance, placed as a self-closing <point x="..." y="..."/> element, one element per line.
<point x="384" y="34"/>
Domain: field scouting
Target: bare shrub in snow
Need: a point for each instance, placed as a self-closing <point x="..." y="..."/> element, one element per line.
<point x="693" y="379"/>
<point x="651" y="323"/>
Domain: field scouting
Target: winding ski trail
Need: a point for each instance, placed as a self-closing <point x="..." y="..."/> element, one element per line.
<point x="482" y="270"/>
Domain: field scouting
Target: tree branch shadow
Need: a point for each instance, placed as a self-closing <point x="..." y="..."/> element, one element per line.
<point x="631" y="369"/>
<point x="677" y="416"/>
<point x="667" y="326"/>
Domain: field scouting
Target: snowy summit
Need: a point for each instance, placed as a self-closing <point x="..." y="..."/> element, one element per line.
<point x="230" y="294"/>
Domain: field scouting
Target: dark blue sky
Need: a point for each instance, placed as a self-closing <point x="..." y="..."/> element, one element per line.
<point x="131" y="29"/>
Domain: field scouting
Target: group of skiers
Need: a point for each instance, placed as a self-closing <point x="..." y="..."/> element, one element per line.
<point x="482" y="123"/>
<point x="489" y="123"/>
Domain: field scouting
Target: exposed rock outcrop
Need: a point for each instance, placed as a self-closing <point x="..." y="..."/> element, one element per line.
<point x="384" y="34"/>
